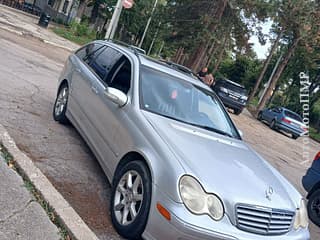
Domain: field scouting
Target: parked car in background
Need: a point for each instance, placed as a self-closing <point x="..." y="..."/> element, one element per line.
<point x="233" y="95"/>
<point x="175" y="160"/>
<point x="311" y="183"/>
<point x="280" y="118"/>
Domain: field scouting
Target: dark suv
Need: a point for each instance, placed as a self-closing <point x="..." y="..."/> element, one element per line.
<point x="233" y="95"/>
<point x="311" y="183"/>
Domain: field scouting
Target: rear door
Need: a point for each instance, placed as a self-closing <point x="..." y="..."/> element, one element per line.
<point x="81" y="85"/>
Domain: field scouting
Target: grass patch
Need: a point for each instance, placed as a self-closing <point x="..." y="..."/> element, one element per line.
<point x="79" y="33"/>
<point x="7" y="156"/>
<point x="314" y="135"/>
<point x="37" y="195"/>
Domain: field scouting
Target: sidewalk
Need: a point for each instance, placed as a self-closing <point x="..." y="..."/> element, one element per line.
<point x="21" y="217"/>
<point x="25" y="24"/>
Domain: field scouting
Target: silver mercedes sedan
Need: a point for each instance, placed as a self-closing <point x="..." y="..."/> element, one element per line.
<point x="176" y="162"/>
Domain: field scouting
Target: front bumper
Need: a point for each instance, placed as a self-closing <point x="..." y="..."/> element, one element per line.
<point x="187" y="226"/>
<point x="231" y="103"/>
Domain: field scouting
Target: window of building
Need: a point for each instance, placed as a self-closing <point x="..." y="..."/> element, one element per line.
<point x="51" y="2"/>
<point x="65" y="6"/>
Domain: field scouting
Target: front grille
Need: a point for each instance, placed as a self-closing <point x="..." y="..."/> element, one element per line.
<point x="264" y="221"/>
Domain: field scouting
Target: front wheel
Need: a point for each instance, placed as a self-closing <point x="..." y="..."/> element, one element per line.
<point x="60" y="105"/>
<point x="314" y="207"/>
<point x="259" y="116"/>
<point x="273" y="124"/>
<point x="237" y="111"/>
<point x="131" y="199"/>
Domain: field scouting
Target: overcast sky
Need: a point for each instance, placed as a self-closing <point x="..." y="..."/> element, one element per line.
<point x="262" y="51"/>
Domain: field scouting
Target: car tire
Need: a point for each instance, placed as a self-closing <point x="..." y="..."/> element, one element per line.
<point x="273" y="124"/>
<point x="60" y="105"/>
<point x="237" y="111"/>
<point x="259" y="116"/>
<point x="294" y="136"/>
<point x="314" y="207"/>
<point x="131" y="199"/>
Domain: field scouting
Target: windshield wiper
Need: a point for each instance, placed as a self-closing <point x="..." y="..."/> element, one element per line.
<point x="201" y="126"/>
<point x="214" y="130"/>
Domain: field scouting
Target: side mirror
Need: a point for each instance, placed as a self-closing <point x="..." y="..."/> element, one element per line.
<point x="240" y="133"/>
<point x="116" y="96"/>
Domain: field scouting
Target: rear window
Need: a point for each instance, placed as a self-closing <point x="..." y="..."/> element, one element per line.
<point x="293" y="115"/>
<point x="233" y="87"/>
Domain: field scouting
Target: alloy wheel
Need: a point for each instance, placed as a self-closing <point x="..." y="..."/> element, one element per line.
<point x="61" y="102"/>
<point x="128" y="197"/>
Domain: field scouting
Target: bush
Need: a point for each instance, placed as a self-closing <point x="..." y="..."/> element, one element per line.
<point x="76" y="32"/>
<point x="313" y="134"/>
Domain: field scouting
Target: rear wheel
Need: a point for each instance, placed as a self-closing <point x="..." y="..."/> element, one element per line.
<point x="294" y="136"/>
<point x="60" y="105"/>
<point x="259" y="116"/>
<point x="131" y="199"/>
<point x="314" y="207"/>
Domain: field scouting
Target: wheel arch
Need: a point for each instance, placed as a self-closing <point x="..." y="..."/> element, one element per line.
<point x="131" y="156"/>
<point x="315" y="188"/>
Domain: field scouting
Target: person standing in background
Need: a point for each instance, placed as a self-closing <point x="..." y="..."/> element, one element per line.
<point x="203" y="72"/>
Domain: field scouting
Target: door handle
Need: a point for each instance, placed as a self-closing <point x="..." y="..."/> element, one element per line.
<point x="94" y="89"/>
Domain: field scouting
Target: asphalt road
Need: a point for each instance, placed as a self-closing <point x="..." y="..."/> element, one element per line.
<point x="28" y="80"/>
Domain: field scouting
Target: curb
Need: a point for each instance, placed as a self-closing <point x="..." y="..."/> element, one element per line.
<point x="76" y="227"/>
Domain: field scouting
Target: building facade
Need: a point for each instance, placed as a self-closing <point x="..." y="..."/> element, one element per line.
<point x="62" y="11"/>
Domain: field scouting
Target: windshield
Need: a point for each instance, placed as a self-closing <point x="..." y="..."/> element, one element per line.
<point x="293" y="115"/>
<point x="171" y="97"/>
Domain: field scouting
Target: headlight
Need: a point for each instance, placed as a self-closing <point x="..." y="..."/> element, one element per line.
<point x="301" y="218"/>
<point x="198" y="201"/>
<point x="245" y="98"/>
<point x="224" y="90"/>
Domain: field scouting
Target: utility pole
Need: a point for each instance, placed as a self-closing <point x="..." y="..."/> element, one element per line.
<point x="148" y="23"/>
<point x="270" y="78"/>
<point x="154" y="38"/>
<point x="161" y="48"/>
<point x="114" y="20"/>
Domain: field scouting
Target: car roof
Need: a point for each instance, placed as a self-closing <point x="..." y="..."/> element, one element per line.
<point x="288" y="110"/>
<point x="183" y="73"/>
<point x="171" y="69"/>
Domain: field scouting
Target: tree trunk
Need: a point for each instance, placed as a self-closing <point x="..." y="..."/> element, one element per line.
<point x="277" y="74"/>
<point x="177" y="55"/>
<point x="94" y="12"/>
<point x="201" y="51"/>
<point x="81" y="9"/>
<point x="265" y="66"/>
<point x="193" y="63"/>
<point x="211" y="53"/>
<point x="216" y="66"/>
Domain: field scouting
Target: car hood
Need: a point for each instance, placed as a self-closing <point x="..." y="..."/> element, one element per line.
<point x="225" y="166"/>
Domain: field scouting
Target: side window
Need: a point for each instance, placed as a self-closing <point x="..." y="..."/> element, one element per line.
<point x="103" y="61"/>
<point x="120" y="75"/>
<point x="276" y="110"/>
<point x="87" y="52"/>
